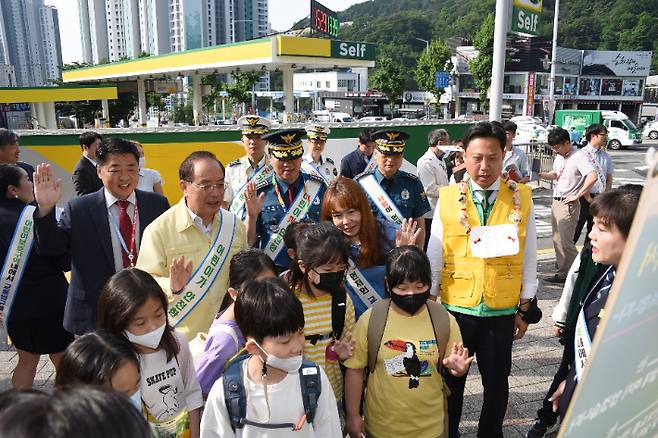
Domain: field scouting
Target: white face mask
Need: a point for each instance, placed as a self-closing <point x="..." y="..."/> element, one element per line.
<point x="290" y="364"/>
<point x="150" y="339"/>
<point x="136" y="400"/>
<point x="142" y="162"/>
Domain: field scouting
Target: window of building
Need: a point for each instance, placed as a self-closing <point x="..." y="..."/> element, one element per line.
<point x="318" y="84"/>
<point x="513" y="83"/>
<point x="328" y="84"/>
<point x="467" y="84"/>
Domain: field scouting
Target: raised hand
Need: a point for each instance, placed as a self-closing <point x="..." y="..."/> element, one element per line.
<point x="408" y="233"/>
<point x="47" y="189"/>
<point x="179" y="274"/>
<point x="253" y="202"/>
<point x="345" y="347"/>
<point x="458" y="361"/>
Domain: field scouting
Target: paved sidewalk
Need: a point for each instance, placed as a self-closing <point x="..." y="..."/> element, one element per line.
<point x="535" y="359"/>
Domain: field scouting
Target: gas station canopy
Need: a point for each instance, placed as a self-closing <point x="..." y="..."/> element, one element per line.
<point x="282" y="53"/>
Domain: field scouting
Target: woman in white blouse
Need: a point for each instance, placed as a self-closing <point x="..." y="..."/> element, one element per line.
<point x="149" y="179"/>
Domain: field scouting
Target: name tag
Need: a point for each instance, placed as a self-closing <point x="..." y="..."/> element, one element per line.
<point x="494" y="241"/>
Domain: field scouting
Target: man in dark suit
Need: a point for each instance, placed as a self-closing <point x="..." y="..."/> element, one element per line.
<point x="10" y="151"/>
<point x="356" y="161"/>
<point x="85" y="178"/>
<point x="101" y="231"/>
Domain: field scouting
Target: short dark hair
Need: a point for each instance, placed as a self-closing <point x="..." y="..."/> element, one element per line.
<point x="616" y="208"/>
<point x="558" y="136"/>
<point x="115" y="146"/>
<point x="88" y="137"/>
<point x="594" y="129"/>
<point x="93" y="359"/>
<point x="70" y="412"/>
<point x="293" y="231"/>
<point x="407" y="264"/>
<point x="10" y="175"/>
<point x="122" y="296"/>
<point x="245" y="265"/>
<point x="317" y="245"/>
<point x="7" y="137"/>
<point x="268" y="308"/>
<point x="437" y="135"/>
<point x="510" y="126"/>
<point x="486" y="130"/>
<point x="365" y="135"/>
<point x="186" y="169"/>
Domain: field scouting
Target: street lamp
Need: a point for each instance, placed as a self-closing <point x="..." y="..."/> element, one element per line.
<point x="427" y="43"/>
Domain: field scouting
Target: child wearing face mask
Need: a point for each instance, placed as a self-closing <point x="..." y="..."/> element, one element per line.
<point x="270" y="376"/>
<point x="405" y="395"/>
<point x="224" y="338"/>
<point x="133" y="305"/>
<point x="317" y="280"/>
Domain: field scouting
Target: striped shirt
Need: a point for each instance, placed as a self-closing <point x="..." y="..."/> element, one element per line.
<point x="317" y="321"/>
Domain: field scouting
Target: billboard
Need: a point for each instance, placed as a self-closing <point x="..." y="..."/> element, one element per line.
<point x="615" y="63"/>
<point x="611" y="87"/>
<point x="568" y="61"/>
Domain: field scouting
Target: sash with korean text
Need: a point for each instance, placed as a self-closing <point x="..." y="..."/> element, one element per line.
<point x="381" y="199"/>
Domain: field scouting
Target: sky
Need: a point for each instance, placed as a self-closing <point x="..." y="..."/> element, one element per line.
<point x="283" y="14"/>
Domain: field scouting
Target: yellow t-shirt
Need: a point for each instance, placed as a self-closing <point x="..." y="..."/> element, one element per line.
<point x="404" y="397"/>
<point x="317" y="321"/>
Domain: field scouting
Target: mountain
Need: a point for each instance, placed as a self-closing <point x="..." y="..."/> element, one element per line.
<point x="584" y="24"/>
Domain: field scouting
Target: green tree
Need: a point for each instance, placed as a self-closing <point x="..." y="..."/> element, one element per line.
<point x="216" y="87"/>
<point x="481" y="66"/>
<point x="435" y="58"/>
<point x="389" y="79"/>
<point x="243" y="83"/>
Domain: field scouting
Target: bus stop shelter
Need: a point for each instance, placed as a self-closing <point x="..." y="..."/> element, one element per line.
<point x="42" y="99"/>
<point x="277" y="53"/>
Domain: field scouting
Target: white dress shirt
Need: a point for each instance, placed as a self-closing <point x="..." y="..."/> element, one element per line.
<point x="113" y="210"/>
<point x="198" y="222"/>
<point x="529" y="269"/>
<point x="433" y="174"/>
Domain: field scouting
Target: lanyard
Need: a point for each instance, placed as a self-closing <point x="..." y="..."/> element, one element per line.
<point x="278" y="193"/>
<point x="566" y="159"/>
<point x="133" y="247"/>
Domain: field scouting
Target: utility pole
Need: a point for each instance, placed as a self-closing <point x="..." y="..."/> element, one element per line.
<point x="498" y="69"/>
<point x="551" y="81"/>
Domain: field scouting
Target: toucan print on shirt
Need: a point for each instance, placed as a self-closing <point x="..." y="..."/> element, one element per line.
<point x="413" y="362"/>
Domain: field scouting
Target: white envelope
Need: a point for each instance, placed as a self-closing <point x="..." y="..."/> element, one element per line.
<point x="494" y="241"/>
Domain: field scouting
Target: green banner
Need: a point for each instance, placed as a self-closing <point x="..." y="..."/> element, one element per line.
<point x="352" y="50"/>
<point x="525" y="21"/>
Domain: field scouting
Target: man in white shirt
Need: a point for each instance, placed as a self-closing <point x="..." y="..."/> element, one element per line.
<point x="433" y="173"/>
<point x="255" y="161"/>
<point x="597" y="139"/>
<point x="574" y="175"/>
<point x="313" y="161"/>
<point x="515" y="161"/>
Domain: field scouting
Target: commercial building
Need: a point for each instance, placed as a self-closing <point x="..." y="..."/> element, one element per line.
<point x="585" y="79"/>
<point x="52" y="47"/>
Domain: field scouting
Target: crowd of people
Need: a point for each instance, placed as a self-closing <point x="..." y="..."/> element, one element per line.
<point x="279" y="294"/>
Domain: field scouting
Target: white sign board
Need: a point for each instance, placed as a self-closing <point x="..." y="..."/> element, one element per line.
<point x="614" y="63"/>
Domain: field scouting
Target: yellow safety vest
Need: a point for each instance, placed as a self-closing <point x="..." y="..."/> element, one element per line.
<point x="466" y="279"/>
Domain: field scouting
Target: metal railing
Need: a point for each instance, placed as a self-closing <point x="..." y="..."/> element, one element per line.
<point x="542" y="153"/>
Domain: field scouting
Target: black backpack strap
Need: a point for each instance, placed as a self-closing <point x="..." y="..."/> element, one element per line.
<point x="309" y="378"/>
<point x="235" y="396"/>
<point x="338" y="310"/>
<point x="376" y="326"/>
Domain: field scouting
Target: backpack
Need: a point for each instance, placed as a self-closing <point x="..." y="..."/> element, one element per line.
<point x="235" y="395"/>
<point x="338" y="310"/>
<point x="440" y="323"/>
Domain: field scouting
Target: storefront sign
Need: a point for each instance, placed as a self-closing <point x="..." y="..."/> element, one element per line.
<point x="526" y="17"/>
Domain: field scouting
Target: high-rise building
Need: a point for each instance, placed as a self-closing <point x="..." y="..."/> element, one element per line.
<point x="154" y="27"/>
<point x="27" y="30"/>
<point x="93" y="30"/>
<point x="52" y="47"/>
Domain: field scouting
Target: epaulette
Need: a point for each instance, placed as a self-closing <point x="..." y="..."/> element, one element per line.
<point x="409" y="175"/>
<point x="234" y="163"/>
<point x="362" y="174"/>
<point x="329" y="160"/>
<point x="315" y="177"/>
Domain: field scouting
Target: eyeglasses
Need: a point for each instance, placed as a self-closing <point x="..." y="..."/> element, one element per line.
<point x="208" y="187"/>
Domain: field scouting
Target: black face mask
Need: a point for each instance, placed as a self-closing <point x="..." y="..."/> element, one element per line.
<point x="329" y="281"/>
<point x="410" y="303"/>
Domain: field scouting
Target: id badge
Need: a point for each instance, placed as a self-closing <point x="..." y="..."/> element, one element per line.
<point x="494" y="241"/>
<point x="329" y="353"/>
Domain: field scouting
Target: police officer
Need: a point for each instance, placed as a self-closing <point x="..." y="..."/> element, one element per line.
<point x="313" y="161"/>
<point x="387" y="184"/>
<point x="255" y="161"/>
<point x="288" y="196"/>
